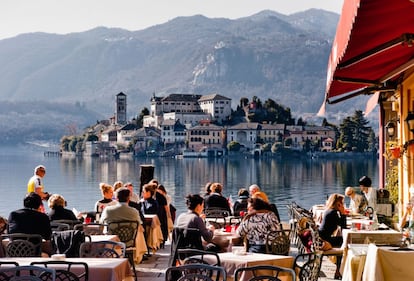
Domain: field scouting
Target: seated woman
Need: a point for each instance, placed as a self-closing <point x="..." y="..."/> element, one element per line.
<point x="216" y="199"/>
<point x="107" y="193"/>
<point x="333" y="217"/>
<point x="149" y="205"/>
<point x="258" y="222"/>
<point x="57" y="206"/>
<point x="240" y="205"/>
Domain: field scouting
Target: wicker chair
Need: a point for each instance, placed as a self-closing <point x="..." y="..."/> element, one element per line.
<point x="23" y="245"/>
<point x="64" y="269"/>
<point x="278" y="242"/>
<point x="102" y="249"/>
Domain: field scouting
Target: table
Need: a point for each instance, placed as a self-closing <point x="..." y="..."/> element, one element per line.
<point x="384" y="263"/>
<point x="154" y="236"/>
<point x="354" y="261"/>
<point x="100" y="269"/>
<point x="225" y="239"/>
<point x="104" y="237"/>
<point x="389" y="237"/>
<point x="231" y="262"/>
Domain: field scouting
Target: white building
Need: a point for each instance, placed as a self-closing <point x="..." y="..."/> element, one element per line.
<point x="219" y="107"/>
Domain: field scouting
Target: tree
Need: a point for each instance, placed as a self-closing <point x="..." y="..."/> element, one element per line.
<point x="354" y="133"/>
<point x="140" y="119"/>
<point x="233" y="146"/>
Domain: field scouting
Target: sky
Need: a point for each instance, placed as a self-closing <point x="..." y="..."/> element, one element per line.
<point x="67" y="16"/>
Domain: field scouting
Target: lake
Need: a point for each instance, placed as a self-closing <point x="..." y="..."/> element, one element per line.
<point x="307" y="182"/>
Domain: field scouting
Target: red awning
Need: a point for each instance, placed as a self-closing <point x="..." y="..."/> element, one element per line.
<point x="373" y="46"/>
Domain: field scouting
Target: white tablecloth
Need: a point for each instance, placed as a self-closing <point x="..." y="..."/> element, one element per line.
<point x="385" y="264"/>
<point x="390" y="236"/>
<point x="100" y="269"/>
<point x="231" y="262"/>
<point x="353" y="262"/>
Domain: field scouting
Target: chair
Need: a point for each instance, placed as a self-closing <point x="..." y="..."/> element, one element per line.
<point x="188" y="256"/>
<point x="217" y="216"/>
<point x="23" y="245"/>
<point x="307" y="266"/>
<point x="90" y="228"/>
<point x="264" y="272"/>
<point x="71" y="223"/>
<point x="68" y="242"/>
<point x="102" y="249"/>
<point x="27" y="273"/>
<point x="59" y="226"/>
<point x="195" y="272"/>
<point x="278" y="242"/>
<point x="65" y="270"/>
<point x="184" y="238"/>
<point x="127" y="233"/>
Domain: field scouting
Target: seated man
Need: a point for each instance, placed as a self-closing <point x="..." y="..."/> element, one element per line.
<point x="357" y="203"/>
<point x="120" y="211"/>
<point x="30" y="219"/>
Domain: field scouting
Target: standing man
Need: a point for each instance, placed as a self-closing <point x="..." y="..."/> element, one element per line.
<point x="35" y="183"/>
<point x="368" y="191"/>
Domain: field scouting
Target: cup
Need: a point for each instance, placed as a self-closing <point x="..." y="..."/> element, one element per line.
<point x="242" y="213"/>
<point x="227" y="228"/>
<point x="358" y="225"/>
<point x="88" y="220"/>
<point x="238" y="250"/>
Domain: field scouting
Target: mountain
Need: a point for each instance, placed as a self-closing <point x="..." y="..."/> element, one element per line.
<point x="268" y="55"/>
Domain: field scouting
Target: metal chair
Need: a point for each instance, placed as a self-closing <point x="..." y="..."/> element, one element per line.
<point x="217" y="216"/>
<point x="127" y="232"/>
<point x="264" y="272"/>
<point x="27" y="273"/>
<point x="187" y="256"/>
<point x="59" y="226"/>
<point x="68" y="242"/>
<point x="90" y="228"/>
<point x="278" y="242"/>
<point x="195" y="272"/>
<point x="307" y="266"/>
<point x="184" y="238"/>
<point x="23" y="245"/>
<point x="67" y="270"/>
<point x="102" y="249"/>
<point x="71" y="223"/>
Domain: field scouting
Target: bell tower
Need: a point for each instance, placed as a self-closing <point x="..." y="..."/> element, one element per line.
<point x="121" y="109"/>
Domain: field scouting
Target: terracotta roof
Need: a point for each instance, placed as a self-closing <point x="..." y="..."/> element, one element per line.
<point x="182" y="97"/>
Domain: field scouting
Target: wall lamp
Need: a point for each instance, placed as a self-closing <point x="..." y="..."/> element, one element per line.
<point x="410" y="121"/>
<point x="391" y="128"/>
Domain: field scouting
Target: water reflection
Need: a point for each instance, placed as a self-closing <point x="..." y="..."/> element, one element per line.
<point x="307" y="182"/>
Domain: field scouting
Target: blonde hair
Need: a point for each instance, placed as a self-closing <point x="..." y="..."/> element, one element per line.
<point x="349" y="191"/>
<point x="56" y="200"/>
<point x="118" y="185"/>
<point x="261" y="195"/>
<point x="333" y="200"/>
<point x="105" y="187"/>
<point x="216" y="187"/>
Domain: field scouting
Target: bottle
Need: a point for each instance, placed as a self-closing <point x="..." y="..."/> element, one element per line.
<point x="375" y="221"/>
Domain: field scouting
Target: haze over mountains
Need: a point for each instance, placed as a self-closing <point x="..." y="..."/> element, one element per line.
<point x="63" y="80"/>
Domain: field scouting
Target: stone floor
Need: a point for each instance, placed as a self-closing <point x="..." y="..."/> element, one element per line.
<point x="154" y="267"/>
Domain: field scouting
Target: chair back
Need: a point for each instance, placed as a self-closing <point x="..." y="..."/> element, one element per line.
<point x="217" y="216"/>
<point x="187" y="256"/>
<point x="59" y="226"/>
<point x="264" y="272"/>
<point x="90" y="228"/>
<point x="68" y="242"/>
<point x="307" y="266"/>
<point x="23" y="245"/>
<point x="184" y="238"/>
<point x="126" y="231"/>
<point x="102" y="249"/>
<point x="67" y="270"/>
<point x="195" y="272"/>
<point x="71" y="223"/>
<point x="27" y="273"/>
<point x="278" y="242"/>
